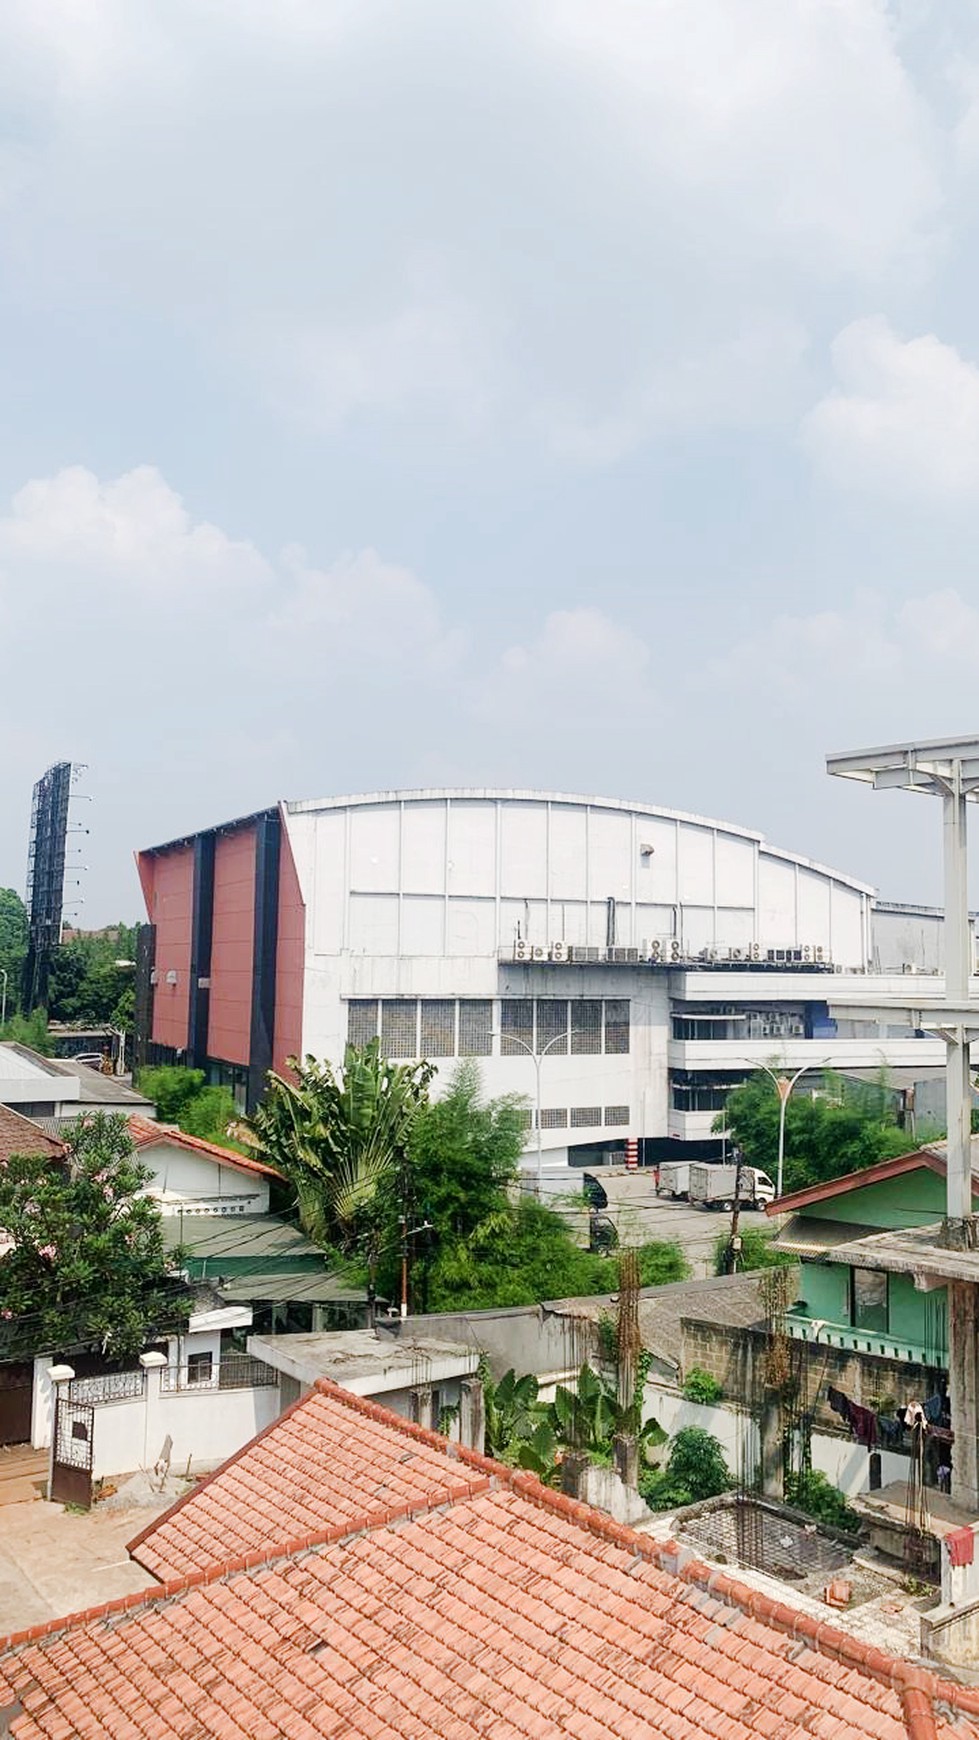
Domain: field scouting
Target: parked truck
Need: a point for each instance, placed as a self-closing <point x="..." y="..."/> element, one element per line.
<point x="674" y="1179"/>
<point x="716" y="1186"/>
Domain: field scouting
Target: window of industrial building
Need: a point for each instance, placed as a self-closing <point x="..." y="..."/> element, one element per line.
<point x="475" y="1028"/>
<point x="617" y="1026"/>
<point x="399" y="1027"/>
<point x="869" y="1300"/>
<point x="554" y="1118"/>
<point x="438" y="1028"/>
<point x="552" y="1026"/>
<point x="586" y="1027"/>
<point x="700" y="1093"/>
<point x="362" y="1022"/>
<point x="516" y="1026"/>
<point x="616" y="1114"/>
<point x="585" y="1117"/>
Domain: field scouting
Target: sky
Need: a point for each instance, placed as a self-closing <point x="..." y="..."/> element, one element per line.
<point x="538" y="393"/>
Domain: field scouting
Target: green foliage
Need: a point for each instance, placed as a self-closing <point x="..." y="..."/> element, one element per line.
<point x="511" y="1411"/>
<point x="702" y="1386"/>
<point x="88" y="1265"/>
<point x="13" y="944"/>
<point x="85" y="984"/>
<point x="816" y="1495"/>
<point x="464" y="1154"/>
<point x="696" y="1470"/>
<point x="341" y="1139"/>
<point x="182" y="1097"/>
<point x="527" y="1254"/>
<point x="823" y="1138"/>
<point x="30" y="1030"/>
<point x="758" y="1251"/>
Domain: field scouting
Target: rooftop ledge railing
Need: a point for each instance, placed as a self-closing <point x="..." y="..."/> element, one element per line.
<point x="854" y="1340"/>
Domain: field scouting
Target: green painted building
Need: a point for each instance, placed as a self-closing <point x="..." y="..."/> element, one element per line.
<point x="866" y="1310"/>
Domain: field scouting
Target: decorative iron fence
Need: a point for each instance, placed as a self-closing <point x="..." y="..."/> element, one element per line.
<point x="235" y="1371"/>
<point x="107" y="1386"/>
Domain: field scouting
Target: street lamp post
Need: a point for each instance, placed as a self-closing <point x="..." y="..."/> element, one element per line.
<point x="537" y="1058"/>
<point x="783" y="1087"/>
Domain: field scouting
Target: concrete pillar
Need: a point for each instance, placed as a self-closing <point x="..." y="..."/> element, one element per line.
<point x="472" y="1415"/>
<point x="958" y="1101"/>
<point x="963" y="1313"/>
<point x="625" y="1454"/>
<point x="421" y="1400"/>
<point x="573" y="1472"/>
<point x="772" y="1466"/>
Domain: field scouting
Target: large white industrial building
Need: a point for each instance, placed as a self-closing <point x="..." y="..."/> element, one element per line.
<point x="640" y="961"/>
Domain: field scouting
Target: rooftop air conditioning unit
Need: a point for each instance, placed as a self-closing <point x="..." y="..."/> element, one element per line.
<point x="538" y="952"/>
<point x="522" y="951"/>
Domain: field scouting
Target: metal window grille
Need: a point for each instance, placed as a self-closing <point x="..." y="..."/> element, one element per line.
<point x="361" y="1022"/>
<point x="586" y="1027"/>
<point x="399" y="1027"/>
<point x="617" y="1025"/>
<point x="516" y="1026"/>
<point x="552" y="1025"/>
<point x="554" y="1117"/>
<point x="475" y="1027"/>
<point x="524" y="1118"/>
<point x="585" y="1117"/>
<point x="616" y="1114"/>
<point x="438" y="1028"/>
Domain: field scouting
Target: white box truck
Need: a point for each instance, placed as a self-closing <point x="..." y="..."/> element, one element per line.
<point x="715" y="1187"/>
<point x="674" y="1179"/>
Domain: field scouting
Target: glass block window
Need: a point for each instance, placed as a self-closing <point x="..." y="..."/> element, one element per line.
<point x="399" y="1027"/>
<point x="586" y="1028"/>
<point x="617" y="1025"/>
<point x="552" y="1026"/>
<point x="554" y="1117"/>
<point x="516" y="1026"/>
<point x="475" y="1028"/>
<point x="438" y="1028"/>
<point x="524" y="1118"/>
<point x="616" y="1115"/>
<point x="362" y="1022"/>
<point x="585" y="1117"/>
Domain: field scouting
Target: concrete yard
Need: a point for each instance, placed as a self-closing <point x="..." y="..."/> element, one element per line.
<point x="640" y="1215"/>
<point x="54" y="1562"/>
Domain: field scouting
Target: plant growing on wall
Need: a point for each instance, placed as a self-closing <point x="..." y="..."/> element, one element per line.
<point x="702" y="1386"/>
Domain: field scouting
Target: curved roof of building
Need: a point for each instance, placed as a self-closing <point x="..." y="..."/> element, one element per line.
<point x="515" y="794"/>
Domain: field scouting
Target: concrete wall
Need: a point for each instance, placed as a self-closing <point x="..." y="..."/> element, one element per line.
<point x="524" y="1337"/>
<point x="197" y="1177"/>
<point x="205" y="1425"/>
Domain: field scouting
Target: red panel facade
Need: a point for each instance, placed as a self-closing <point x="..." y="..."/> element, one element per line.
<point x="232" y="947"/>
<point x="289" y="961"/>
<point x="168" y="888"/>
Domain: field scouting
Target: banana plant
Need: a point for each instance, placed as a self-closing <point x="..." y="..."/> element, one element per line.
<point x="511" y="1411"/>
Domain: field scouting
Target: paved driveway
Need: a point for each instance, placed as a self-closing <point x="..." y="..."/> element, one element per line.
<point x="54" y="1562"/>
<point x="640" y="1215"/>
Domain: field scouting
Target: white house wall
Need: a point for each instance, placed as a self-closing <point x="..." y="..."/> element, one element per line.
<point x="195" y="1178"/>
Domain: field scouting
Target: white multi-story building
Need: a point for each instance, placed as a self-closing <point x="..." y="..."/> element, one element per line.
<point x="635" y="961"/>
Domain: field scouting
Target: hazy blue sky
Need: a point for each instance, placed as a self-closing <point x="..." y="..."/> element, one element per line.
<point x="567" y="393"/>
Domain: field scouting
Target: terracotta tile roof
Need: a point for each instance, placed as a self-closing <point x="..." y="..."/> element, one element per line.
<point x="314" y="1468"/>
<point x="508" y="1611"/>
<point x="145" y="1133"/>
<point x="444" y="1596"/>
<point x="20" y="1135"/>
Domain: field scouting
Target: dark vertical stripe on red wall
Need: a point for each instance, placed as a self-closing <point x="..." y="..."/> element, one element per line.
<point x="267" y="846"/>
<point x="143" y="1016"/>
<point x="202" y="924"/>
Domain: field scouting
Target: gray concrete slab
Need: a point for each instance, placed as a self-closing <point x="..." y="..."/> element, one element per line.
<point x="54" y="1562"/>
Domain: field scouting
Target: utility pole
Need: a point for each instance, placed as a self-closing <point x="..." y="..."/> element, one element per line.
<point x="734" y="1242"/>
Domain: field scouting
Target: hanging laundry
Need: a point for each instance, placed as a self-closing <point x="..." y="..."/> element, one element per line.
<point x="933" y="1409"/>
<point x="914" y="1414"/>
<point x="864" y="1424"/>
<point x="961" y="1544"/>
<point x="839" y="1403"/>
<point x="891" y="1430"/>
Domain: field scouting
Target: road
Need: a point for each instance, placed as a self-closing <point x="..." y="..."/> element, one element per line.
<point x="640" y="1215"/>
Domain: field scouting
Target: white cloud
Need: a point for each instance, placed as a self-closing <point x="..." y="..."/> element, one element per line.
<point x="574" y="641"/>
<point x="903" y="418"/>
<point x="919" y="649"/>
<point x="800" y="117"/>
<point x="133" y="533"/>
<point x="361" y="601"/>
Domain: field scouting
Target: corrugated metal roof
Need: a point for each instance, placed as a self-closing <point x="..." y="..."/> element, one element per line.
<point x="805" y="1237"/>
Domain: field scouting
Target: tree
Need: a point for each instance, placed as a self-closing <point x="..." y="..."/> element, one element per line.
<point x="696" y="1470"/>
<point x="465" y="1155"/>
<point x="87" y="1264"/>
<point x="85" y="982"/>
<point x="13" y="944"/>
<point x="758" y="1250"/>
<point x="824" y="1138"/>
<point x="182" y="1097"/>
<point x="342" y="1142"/>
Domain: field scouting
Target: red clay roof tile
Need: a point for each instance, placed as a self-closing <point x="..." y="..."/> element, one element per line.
<point x="503" y="1611"/>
